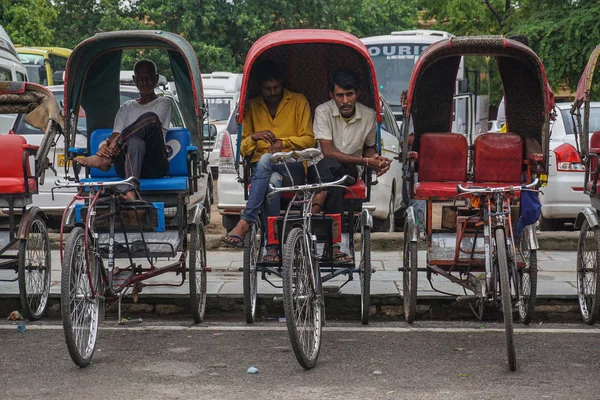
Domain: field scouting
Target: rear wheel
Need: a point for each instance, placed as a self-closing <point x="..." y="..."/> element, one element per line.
<point x="409" y="276"/>
<point x="505" y="296"/>
<point x="364" y="272"/>
<point x="252" y="250"/>
<point x="79" y="308"/>
<point x="588" y="278"/>
<point x="197" y="272"/>
<point x="34" y="265"/>
<point x="527" y="282"/>
<point x="302" y="305"/>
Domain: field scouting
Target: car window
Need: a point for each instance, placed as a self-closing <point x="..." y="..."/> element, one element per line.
<point x="21" y="77"/>
<point x="5" y="74"/>
<point x="232" y="126"/>
<point x="176" y="119"/>
<point x="594" y="120"/>
<point x="219" y="108"/>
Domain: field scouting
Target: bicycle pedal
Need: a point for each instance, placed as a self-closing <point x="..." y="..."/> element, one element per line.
<point x="461" y="299"/>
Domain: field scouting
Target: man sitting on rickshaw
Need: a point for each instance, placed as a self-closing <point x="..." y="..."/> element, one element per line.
<point x="276" y="120"/>
<point x="137" y="145"/>
<point x="347" y="134"/>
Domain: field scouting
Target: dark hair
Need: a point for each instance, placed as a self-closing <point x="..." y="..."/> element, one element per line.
<point x="345" y="79"/>
<point x="267" y="71"/>
<point x="147" y="62"/>
<point x="519" y="38"/>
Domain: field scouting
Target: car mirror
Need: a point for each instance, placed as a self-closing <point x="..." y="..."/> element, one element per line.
<point x="58" y="77"/>
<point x="210" y="131"/>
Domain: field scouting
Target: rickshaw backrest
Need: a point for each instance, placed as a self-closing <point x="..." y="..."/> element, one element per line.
<point x="498" y="158"/>
<point x="443" y="157"/>
<point x="12" y="178"/>
<point x="177" y="140"/>
<point x="595" y="140"/>
<point x="594" y="149"/>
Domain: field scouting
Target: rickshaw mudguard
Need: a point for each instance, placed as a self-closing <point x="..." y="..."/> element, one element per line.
<point x="588" y="214"/>
<point x="531" y="240"/>
<point x="27" y="220"/>
<point x="366" y="218"/>
<point x="195" y="214"/>
<point x="413" y="224"/>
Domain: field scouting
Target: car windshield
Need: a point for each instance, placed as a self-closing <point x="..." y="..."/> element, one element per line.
<point x="25" y="129"/>
<point x="594" y="120"/>
<point x="394" y="64"/>
<point x="219" y="108"/>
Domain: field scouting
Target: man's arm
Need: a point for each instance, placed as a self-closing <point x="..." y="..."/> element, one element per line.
<point x="305" y="137"/>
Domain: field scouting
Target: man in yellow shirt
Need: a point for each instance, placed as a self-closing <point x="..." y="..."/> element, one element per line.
<point x="276" y="120"/>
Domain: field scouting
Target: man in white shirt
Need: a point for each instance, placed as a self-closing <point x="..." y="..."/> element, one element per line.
<point x="137" y="145"/>
<point x="347" y="134"/>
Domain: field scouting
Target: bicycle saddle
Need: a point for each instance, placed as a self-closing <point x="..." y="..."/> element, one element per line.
<point x="281" y="157"/>
<point x="308" y="154"/>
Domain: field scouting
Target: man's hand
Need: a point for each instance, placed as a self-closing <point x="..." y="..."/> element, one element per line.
<point x="109" y="148"/>
<point x="276" y="146"/>
<point x="379" y="164"/>
<point x="267" y="136"/>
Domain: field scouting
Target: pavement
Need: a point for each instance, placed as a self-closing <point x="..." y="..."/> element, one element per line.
<point x="557" y="290"/>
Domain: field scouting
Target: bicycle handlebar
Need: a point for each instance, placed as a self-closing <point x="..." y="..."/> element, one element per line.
<point x="462" y="189"/>
<point x="131" y="181"/>
<point x="314" y="186"/>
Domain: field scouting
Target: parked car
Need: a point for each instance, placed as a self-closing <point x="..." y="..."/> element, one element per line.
<point x="54" y="207"/>
<point x="386" y="195"/>
<point x="494" y="126"/>
<point x="563" y="197"/>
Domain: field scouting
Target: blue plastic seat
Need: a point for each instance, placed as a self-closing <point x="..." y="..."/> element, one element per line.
<point x="178" y="145"/>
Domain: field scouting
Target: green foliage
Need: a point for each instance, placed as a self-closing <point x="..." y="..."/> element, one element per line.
<point x="28" y="22"/>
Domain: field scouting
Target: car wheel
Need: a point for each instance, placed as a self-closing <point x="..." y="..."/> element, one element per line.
<point x="215" y="172"/>
<point x="551" y="224"/>
<point x="388" y="224"/>
<point x="230" y="221"/>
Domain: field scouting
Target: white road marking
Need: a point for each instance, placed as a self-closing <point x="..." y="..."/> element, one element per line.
<point x="231" y="328"/>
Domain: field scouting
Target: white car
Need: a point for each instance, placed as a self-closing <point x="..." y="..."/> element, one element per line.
<point x="563" y="197"/>
<point x="386" y="194"/>
<point x="54" y="204"/>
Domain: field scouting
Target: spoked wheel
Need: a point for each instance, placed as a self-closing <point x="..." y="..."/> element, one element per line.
<point x="302" y="305"/>
<point x="197" y="272"/>
<point x="252" y="250"/>
<point x="364" y="272"/>
<point x="34" y="265"/>
<point x="527" y="276"/>
<point x="79" y="307"/>
<point x="588" y="278"/>
<point x="505" y="296"/>
<point x="409" y="277"/>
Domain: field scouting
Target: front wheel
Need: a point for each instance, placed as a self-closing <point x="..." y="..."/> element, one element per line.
<point x="527" y="276"/>
<point x="34" y="265"/>
<point x="505" y="296"/>
<point x="409" y="276"/>
<point x="302" y="304"/>
<point x="588" y="278"/>
<point x="364" y="272"/>
<point x="197" y="272"/>
<point x="252" y="250"/>
<point x="79" y="297"/>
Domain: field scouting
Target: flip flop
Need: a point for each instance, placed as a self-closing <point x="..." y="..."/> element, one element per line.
<point x="237" y="243"/>
<point x="341" y="258"/>
<point x="272" y="258"/>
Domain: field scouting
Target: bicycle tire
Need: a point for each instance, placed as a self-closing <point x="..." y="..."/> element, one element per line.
<point x="527" y="283"/>
<point x="505" y="296"/>
<point x="588" y="276"/>
<point x="74" y="273"/>
<point x="250" y="275"/>
<point x="409" y="277"/>
<point x="197" y="272"/>
<point x="364" y="271"/>
<point x="34" y="270"/>
<point x="306" y="341"/>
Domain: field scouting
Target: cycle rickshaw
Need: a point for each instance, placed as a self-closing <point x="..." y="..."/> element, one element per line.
<point x="23" y="225"/>
<point x="167" y="220"/>
<point x="486" y="225"/>
<point x="307" y="58"/>
<point x="588" y="256"/>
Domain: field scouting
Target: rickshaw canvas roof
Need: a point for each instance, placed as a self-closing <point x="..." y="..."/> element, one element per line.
<point x="92" y="76"/>
<point x="528" y="98"/>
<point x="307" y="37"/>
<point x="585" y="82"/>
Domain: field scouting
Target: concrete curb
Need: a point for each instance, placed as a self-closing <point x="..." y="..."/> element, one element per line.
<point x="383" y="241"/>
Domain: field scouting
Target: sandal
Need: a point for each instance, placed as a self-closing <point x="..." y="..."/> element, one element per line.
<point x="237" y="241"/>
<point x="272" y="258"/>
<point x="341" y="258"/>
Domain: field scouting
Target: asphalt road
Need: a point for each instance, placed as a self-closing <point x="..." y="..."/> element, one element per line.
<point x="170" y="360"/>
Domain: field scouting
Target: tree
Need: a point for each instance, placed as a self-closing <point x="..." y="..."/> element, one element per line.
<point x="28" y="22"/>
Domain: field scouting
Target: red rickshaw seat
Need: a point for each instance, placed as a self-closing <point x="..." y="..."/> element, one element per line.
<point x="594" y="149"/>
<point x="12" y="178"/>
<point x="498" y="158"/>
<point x="443" y="157"/>
<point x="436" y="189"/>
<point x="358" y="190"/>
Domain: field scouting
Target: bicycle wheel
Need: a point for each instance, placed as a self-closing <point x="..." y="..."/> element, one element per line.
<point x="252" y="249"/>
<point x="364" y="272"/>
<point x="34" y="265"/>
<point x="505" y="296"/>
<point x="588" y="278"/>
<point x="409" y="277"/>
<point x="197" y="272"/>
<point x="79" y="309"/>
<point x="527" y="282"/>
<point x="301" y="304"/>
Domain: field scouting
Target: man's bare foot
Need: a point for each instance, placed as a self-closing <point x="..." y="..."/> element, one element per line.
<point x="102" y="163"/>
<point x="129" y="196"/>
<point x="240" y="229"/>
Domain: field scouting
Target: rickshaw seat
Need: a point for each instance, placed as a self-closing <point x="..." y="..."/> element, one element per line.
<point x="595" y="142"/>
<point x="12" y="174"/>
<point x="358" y="190"/>
<point x="436" y="189"/>
<point x="498" y="158"/>
<point x="177" y="142"/>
